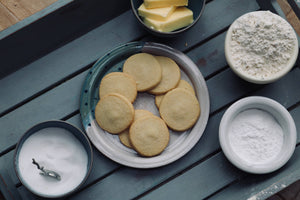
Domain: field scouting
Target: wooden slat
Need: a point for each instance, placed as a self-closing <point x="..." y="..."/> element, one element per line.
<point x="194" y="181"/>
<point x="66" y="60"/>
<point x="214" y="60"/>
<point x="88" y="48"/>
<point x="7" y="18"/>
<point x="138" y="181"/>
<point x="25" y="8"/>
<point x="264" y="186"/>
<point x="290" y="15"/>
<point x="132" y="182"/>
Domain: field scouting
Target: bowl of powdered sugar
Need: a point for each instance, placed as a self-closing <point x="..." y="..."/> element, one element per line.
<point x="53" y="159"/>
<point x="261" y="47"/>
<point x="257" y="134"/>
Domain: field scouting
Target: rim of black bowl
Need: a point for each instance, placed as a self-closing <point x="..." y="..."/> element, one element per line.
<point x="160" y="33"/>
<point x="36" y="126"/>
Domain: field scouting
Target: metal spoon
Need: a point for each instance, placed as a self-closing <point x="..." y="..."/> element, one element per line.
<point x="46" y="172"/>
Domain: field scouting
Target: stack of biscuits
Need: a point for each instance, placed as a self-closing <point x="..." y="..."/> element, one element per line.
<point x="140" y="129"/>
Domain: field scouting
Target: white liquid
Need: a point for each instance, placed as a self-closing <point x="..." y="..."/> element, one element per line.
<point x="58" y="150"/>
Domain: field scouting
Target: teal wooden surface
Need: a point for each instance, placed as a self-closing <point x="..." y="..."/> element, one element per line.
<point x="54" y="30"/>
<point x="65" y="61"/>
<point x="86" y="49"/>
<point x="49" y="88"/>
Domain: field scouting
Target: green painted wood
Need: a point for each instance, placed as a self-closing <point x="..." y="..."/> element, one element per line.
<point x="54" y="30"/>
<point x="54" y="104"/>
<point x="66" y="60"/>
<point x="194" y="181"/>
<point x="86" y="49"/>
<point x="210" y="56"/>
<point x="133" y="182"/>
<point x="101" y="166"/>
<point x="217" y="15"/>
<point x="49" y="101"/>
<point x="261" y="187"/>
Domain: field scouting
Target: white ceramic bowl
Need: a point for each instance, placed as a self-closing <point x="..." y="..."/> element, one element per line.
<point x="63" y="188"/>
<point x="246" y="76"/>
<point x="283" y="118"/>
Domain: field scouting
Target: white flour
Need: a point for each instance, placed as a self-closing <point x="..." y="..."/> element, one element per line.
<point x="255" y="136"/>
<point x="58" y="150"/>
<point x="261" y="44"/>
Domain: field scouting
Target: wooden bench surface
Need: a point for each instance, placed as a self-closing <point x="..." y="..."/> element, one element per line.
<point x="50" y="87"/>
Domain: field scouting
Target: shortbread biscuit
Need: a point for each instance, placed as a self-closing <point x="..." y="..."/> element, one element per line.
<point x="179" y="109"/>
<point x="145" y="69"/>
<point x="114" y="113"/>
<point x="149" y="135"/>
<point x="118" y="82"/>
<point x="170" y="75"/>
<point x="182" y="84"/>
<point x="124" y="135"/>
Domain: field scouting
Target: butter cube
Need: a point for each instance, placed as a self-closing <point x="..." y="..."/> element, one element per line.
<point x="180" y="18"/>
<point x="156" y="13"/>
<point x="164" y="3"/>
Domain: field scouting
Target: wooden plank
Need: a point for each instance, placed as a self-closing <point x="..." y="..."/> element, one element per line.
<point x="133" y="182"/>
<point x="261" y="187"/>
<point x="7" y="187"/>
<point x="272" y="90"/>
<point x="66" y="60"/>
<point x="193" y="181"/>
<point x="71" y="58"/>
<point x="290" y="15"/>
<point x="210" y="56"/>
<point x="25" y="8"/>
<point x="217" y="15"/>
<point x="53" y="27"/>
<point x="7" y="18"/>
<point x="52" y="105"/>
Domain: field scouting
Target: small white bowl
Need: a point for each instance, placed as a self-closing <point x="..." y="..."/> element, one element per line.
<point x="244" y="75"/>
<point x="64" y="155"/>
<point x="281" y="115"/>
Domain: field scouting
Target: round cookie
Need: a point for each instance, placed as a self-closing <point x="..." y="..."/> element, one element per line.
<point x="124" y="135"/>
<point x="185" y="85"/>
<point x="114" y="113"/>
<point x="145" y="69"/>
<point x="149" y="135"/>
<point x="118" y="82"/>
<point x="179" y="109"/>
<point x="182" y="84"/>
<point x="170" y="75"/>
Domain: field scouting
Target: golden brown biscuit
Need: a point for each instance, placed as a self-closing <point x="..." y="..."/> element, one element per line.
<point x="179" y="109"/>
<point x="145" y="69"/>
<point x="118" y="82"/>
<point x="149" y="135"/>
<point x="182" y="84"/>
<point x="170" y="75"/>
<point x="114" y="113"/>
<point x="124" y="135"/>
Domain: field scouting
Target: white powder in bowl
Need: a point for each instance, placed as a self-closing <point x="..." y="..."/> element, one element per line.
<point x="255" y="136"/>
<point x="262" y="44"/>
<point x="58" y="150"/>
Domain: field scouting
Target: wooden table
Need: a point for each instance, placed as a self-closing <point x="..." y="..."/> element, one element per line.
<point x="49" y="88"/>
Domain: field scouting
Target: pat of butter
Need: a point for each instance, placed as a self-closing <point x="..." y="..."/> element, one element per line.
<point x="164" y="3"/>
<point x="156" y="13"/>
<point x="180" y="18"/>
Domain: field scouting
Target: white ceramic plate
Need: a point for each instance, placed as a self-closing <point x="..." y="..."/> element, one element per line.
<point x="180" y="142"/>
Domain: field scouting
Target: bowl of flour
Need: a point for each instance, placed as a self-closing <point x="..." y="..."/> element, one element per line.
<point x="257" y="134"/>
<point x="53" y="159"/>
<point x="261" y="47"/>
